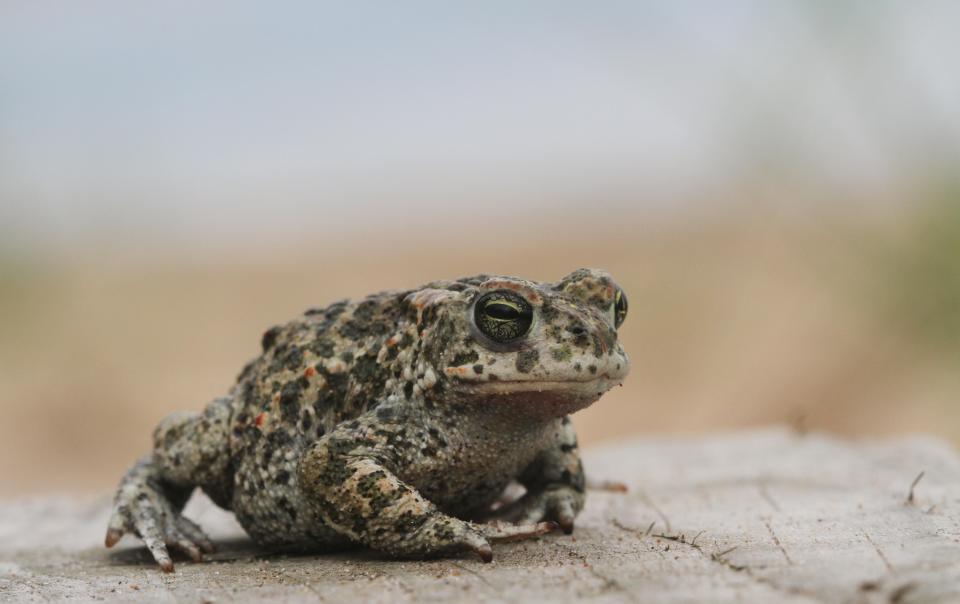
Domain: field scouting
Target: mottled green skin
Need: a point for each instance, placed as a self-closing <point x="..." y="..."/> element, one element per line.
<point x="389" y="422"/>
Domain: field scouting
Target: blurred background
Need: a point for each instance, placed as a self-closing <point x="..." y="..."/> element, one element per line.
<point x="775" y="185"/>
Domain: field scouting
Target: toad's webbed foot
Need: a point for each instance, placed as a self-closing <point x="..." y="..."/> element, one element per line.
<point x="152" y="512"/>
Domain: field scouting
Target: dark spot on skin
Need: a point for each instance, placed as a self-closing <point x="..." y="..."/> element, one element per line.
<point x="323" y="347"/>
<point x="597" y="347"/>
<point x="478" y="369"/>
<point x="385" y="413"/>
<point x="368" y="373"/>
<point x="579" y="333"/>
<point x="347" y="357"/>
<point x="492" y="377"/>
<point x="367" y="485"/>
<point x="426" y="317"/>
<point x="527" y="359"/>
<point x="290" y="402"/>
<point x="375" y="316"/>
<point x="354" y="330"/>
<point x="361" y="324"/>
<point x="282" y="477"/>
<point x="464" y="358"/>
<point x="561" y="353"/>
<point x="279" y="439"/>
<point x="600" y="301"/>
<point x="284" y="504"/>
<point x="593" y="369"/>
<point x="293" y="358"/>
<point x="578" y="367"/>
<point x="330" y="315"/>
<point x="435" y="434"/>
<point x="365" y="309"/>
<point x="548" y="312"/>
<point x="333" y="395"/>
<point x="269" y="338"/>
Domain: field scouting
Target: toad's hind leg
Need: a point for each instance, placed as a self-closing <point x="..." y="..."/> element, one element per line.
<point x="190" y="450"/>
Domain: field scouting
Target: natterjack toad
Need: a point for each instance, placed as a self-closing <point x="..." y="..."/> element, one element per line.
<point x="394" y="421"/>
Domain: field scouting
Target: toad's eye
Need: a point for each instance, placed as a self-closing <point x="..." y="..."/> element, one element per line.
<point x="619" y="308"/>
<point x="503" y="316"/>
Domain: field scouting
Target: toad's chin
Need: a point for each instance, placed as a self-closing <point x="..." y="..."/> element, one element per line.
<point x="534" y="398"/>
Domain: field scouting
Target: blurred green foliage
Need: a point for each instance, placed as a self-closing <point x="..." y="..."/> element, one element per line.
<point x="925" y="276"/>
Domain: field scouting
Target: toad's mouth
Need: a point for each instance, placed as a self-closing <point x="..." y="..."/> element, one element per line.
<point x="593" y="387"/>
<point x="535" y="400"/>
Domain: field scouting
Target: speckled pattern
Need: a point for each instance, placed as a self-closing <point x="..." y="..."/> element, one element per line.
<point x="395" y="422"/>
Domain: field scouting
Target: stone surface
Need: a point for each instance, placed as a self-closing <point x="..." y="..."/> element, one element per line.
<point x="759" y="516"/>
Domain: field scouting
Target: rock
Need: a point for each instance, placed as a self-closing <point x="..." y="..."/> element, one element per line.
<point x="758" y="516"/>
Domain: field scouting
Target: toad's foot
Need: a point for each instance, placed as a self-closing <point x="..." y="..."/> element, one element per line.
<point x="560" y="504"/>
<point x="145" y="510"/>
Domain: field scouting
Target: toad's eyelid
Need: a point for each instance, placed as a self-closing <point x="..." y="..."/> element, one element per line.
<point x="509" y="303"/>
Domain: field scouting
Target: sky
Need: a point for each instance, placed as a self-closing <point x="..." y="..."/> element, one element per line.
<point x="183" y="117"/>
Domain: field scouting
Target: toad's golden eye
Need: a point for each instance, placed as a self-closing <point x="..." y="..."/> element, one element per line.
<point x="503" y="316"/>
<point x="619" y="308"/>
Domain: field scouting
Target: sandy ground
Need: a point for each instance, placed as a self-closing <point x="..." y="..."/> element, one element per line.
<point x="759" y="516"/>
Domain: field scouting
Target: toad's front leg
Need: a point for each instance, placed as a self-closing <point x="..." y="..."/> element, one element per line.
<point x="349" y="474"/>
